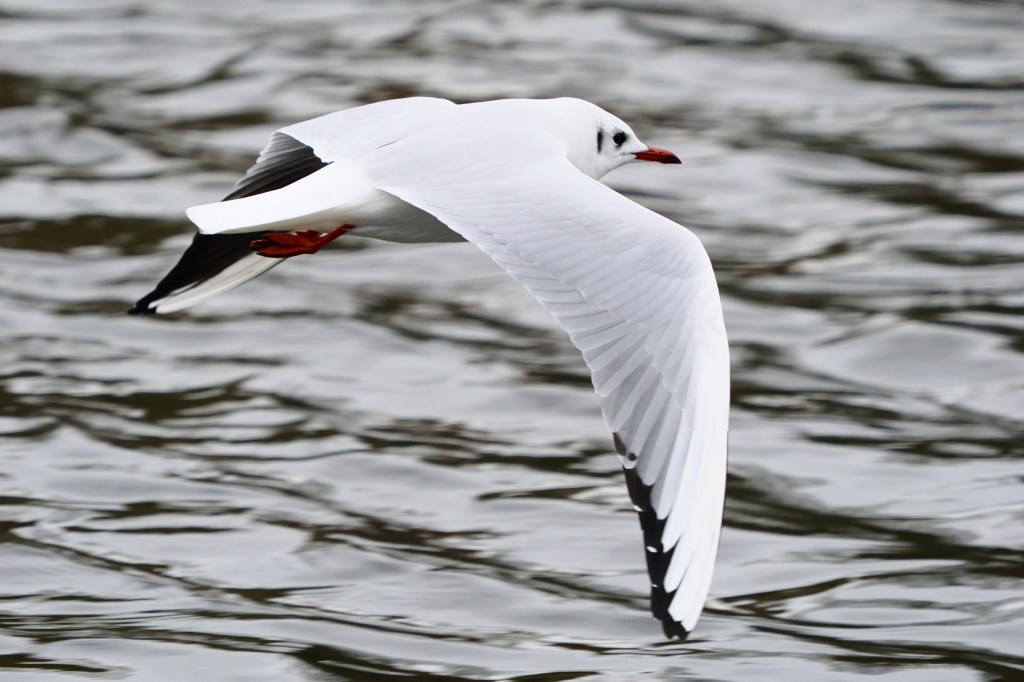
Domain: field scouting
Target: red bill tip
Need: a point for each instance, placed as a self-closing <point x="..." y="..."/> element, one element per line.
<point x="658" y="155"/>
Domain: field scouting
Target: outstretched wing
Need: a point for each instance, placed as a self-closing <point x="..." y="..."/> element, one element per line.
<point x="213" y="264"/>
<point x="637" y="295"/>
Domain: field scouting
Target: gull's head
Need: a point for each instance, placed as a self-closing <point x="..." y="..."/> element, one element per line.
<point x="598" y="142"/>
<point x="592" y="139"/>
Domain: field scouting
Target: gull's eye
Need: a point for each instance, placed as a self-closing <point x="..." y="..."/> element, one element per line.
<point x="618" y="138"/>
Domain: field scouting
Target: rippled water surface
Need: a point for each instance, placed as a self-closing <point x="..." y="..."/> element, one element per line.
<point x="384" y="462"/>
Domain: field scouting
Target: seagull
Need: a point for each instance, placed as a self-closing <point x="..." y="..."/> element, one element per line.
<point x="518" y="178"/>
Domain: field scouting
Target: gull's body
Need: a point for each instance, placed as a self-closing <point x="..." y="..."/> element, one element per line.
<point x="517" y="178"/>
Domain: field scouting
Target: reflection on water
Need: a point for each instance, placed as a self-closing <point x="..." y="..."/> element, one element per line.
<point x="384" y="462"/>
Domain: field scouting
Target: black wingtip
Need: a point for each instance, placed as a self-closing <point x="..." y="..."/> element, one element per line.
<point x="658" y="559"/>
<point x="142" y="306"/>
<point x="675" y="629"/>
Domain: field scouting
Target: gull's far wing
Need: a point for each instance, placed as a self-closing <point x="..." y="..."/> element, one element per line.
<point x="637" y="295"/>
<point x="215" y="263"/>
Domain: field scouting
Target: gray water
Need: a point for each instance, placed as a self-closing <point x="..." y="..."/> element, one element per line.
<point x="384" y="462"/>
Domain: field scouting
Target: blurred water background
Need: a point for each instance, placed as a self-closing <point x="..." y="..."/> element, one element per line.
<point x="384" y="462"/>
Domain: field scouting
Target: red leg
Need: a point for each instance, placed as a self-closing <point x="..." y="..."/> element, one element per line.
<point x="288" y="244"/>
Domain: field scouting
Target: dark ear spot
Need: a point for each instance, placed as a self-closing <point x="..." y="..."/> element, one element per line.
<point x="600" y="140"/>
<point x="618" y="138"/>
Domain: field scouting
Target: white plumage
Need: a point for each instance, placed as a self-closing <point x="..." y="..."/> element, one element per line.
<point x="635" y="291"/>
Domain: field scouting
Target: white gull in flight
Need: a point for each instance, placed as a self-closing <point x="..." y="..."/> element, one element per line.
<point x="518" y="179"/>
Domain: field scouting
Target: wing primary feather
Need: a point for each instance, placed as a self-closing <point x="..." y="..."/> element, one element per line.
<point x="658" y="560"/>
<point x="620" y="410"/>
<point x="651" y="418"/>
<point x="595" y="339"/>
<point x="607" y="384"/>
<point x="603" y="357"/>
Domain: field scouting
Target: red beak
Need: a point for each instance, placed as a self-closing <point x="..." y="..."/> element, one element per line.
<point x="657" y="155"/>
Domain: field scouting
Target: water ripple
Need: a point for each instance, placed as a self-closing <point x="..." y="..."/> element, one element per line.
<point x="386" y="463"/>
